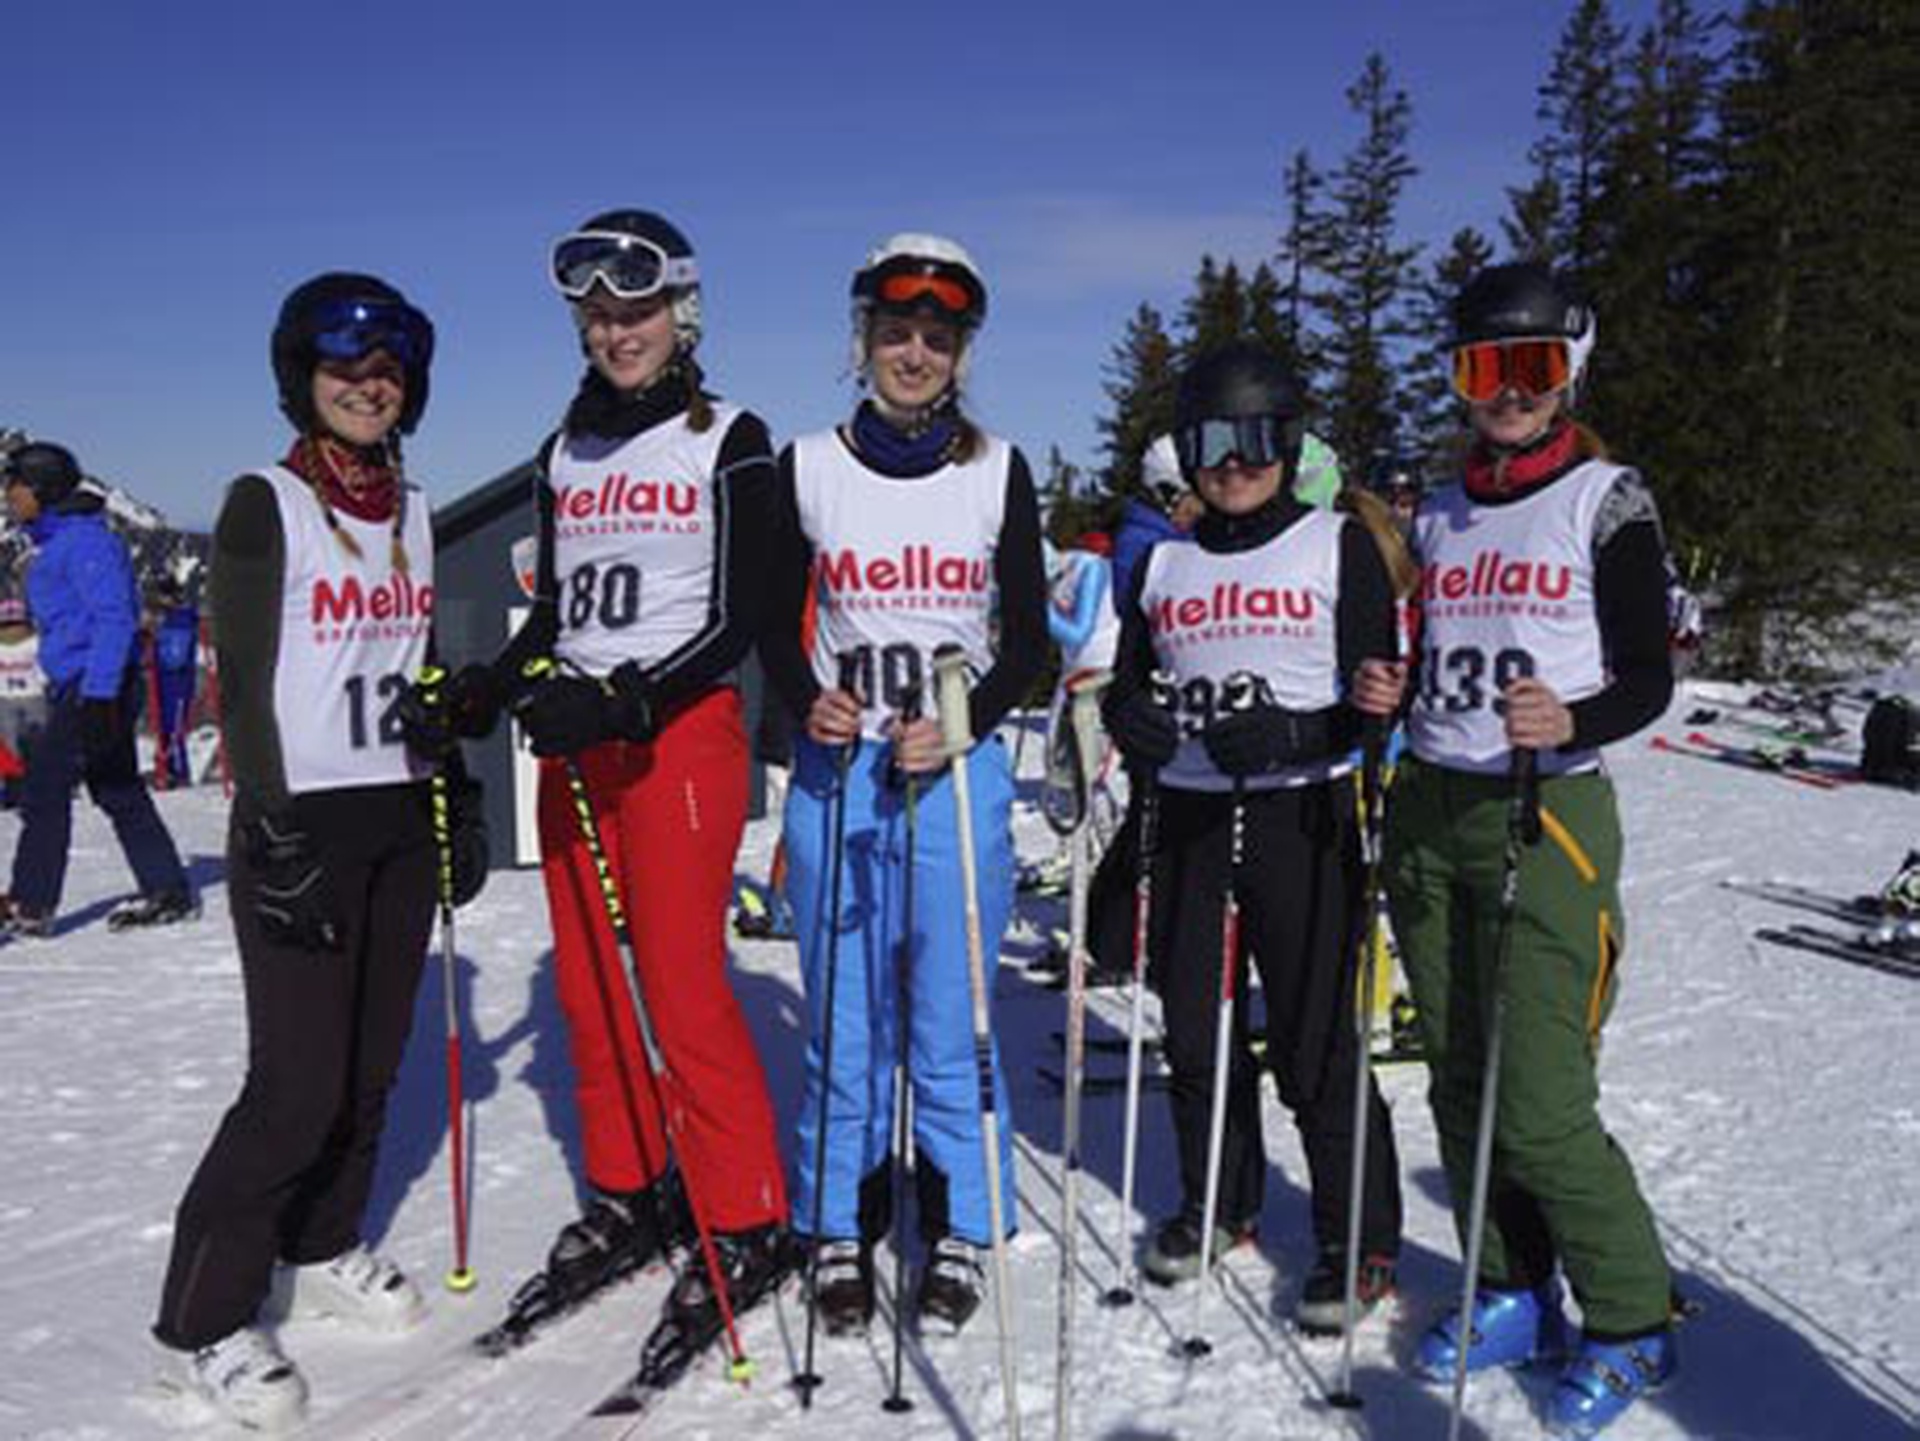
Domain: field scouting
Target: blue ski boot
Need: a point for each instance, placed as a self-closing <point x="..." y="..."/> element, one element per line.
<point x="1510" y="1328"/>
<point x="1606" y="1377"/>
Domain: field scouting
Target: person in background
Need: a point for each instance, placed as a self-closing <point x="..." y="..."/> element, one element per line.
<point x="82" y="601"/>
<point x="176" y="663"/>
<point x="23" y="696"/>
<point x="332" y="866"/>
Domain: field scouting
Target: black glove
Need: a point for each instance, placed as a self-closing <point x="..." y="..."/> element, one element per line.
<point x="438" y="711"/>
<point x="468" y="851"/>
<point x="99" y="728"/>
<point x="1145" y="730"/>
<point x="292" y="893"/>
<point x="564" y="714"/>
<point x="631" y="712"/>
<point x="1252" y="742"/>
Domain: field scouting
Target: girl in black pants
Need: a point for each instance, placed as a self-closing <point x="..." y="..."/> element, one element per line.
<point x="322" y="576"/>
<point x="1291" y="600"/>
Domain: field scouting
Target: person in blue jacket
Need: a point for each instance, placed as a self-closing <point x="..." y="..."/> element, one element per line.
<point x="176" y="664"/>
<point x="81" y="596"/>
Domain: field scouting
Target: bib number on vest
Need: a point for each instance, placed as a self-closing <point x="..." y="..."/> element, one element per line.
<point x="899" y="668"/>
<point x="1456" y="680"/>
<point x="387" y="690"/>
<point x="1198" y="700"/>
<point x="607" y="595"/>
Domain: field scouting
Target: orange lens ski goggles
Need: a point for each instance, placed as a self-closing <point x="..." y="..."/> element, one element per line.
<point x="906" y="288"/>
<point x="1530" y="367"/>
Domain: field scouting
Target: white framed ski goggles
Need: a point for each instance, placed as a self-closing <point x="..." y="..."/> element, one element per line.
<point x="1256" y="441"/>
<point x="630" y="267"/>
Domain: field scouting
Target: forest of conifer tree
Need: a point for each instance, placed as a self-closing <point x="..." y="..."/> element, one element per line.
<point x="1734" y="193"/>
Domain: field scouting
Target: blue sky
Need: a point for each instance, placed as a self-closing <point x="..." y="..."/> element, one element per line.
<point x="170" y="171"/>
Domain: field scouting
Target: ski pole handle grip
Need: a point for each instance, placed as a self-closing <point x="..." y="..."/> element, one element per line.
<point x="950" y="696"/>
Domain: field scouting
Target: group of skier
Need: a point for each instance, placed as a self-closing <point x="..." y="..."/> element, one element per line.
<point x="890" y="571"/>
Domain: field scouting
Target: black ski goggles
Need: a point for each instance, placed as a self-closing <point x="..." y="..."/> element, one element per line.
<point x="630" y="267"/>
<point x="1256" y="441"/>
<point x="348" y="330"/>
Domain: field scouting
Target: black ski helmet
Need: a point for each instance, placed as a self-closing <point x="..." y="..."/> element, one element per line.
<point x="1240" y="381"/>
<point x="1522" y="301"/>
<point x="46" y="469"/>
<point x="680" y="274"/>
<point x="305" y="313"/>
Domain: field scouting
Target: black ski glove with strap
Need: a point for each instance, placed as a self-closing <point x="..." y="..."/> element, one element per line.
<point x="1146" y="731"/>
<point x="1265" y="738"/>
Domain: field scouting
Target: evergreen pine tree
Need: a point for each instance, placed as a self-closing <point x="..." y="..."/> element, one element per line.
<point x="1816" y="308"/>
<point x="1140" y="382"/>
<point x="1581" y="104"/>
<point x="1370" y="277"/>
<point x="1433" y="411"/>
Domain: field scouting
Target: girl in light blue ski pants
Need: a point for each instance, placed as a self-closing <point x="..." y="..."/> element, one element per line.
<point x="869" y="1002"/>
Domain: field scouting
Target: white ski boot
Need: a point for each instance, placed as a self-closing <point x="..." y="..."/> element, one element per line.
<point x="244" y="1377"/>
<point x="358" y="1286"/>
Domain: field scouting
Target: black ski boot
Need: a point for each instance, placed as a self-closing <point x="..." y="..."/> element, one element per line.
<point x="843" y="1286"/>
<point x="620" y="1232"/>
<point x="951" y="1286"/>
<point x="164" y="908"/>
<point x="752" y="1263"/>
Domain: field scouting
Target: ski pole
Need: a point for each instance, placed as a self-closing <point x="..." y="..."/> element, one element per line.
<point x="1122" y="1291"/>
<point x="809" y="1380"/>
<point x="1083" y="702"/>
<point x="897" y="1401"/>
<point x="1523" y="826"/>
<point x="461" y="1277"/>
<point x="950" y="681"/>
<point x="1372" y="763"/>
<point x="739" y="1368"/>
<point x="1237" y="693"/>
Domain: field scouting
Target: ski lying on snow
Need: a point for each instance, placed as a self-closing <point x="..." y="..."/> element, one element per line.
<point x="533" y="1309"/>
<point x="1744" y="760"/>
<point x="1898" y="959"/>
<point x="1862" y="910"/>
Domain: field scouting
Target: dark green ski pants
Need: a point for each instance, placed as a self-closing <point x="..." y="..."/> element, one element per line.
<point x="1562" y="1190"/>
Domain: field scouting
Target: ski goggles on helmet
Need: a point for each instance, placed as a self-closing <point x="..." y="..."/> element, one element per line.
<point x="348" y="330"/>
<point x="1257" y="441"/>
<point x="912" y="284"/>
<point x="1531" y="367"/>
<point x="631" y="267"/>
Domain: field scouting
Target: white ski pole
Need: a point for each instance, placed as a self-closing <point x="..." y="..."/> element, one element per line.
<point x="1083" y="702"/>
<point x="950" y="686"/>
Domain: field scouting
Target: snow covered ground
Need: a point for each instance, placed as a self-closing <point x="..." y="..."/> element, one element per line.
<point x="1768" y="1098"/>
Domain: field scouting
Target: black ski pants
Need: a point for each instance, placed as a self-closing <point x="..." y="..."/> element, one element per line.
<point x="1299" y="888"/>
<point x="289" y="1170"/>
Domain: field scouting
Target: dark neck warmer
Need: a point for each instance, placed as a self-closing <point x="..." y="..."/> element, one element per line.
<point x="1223" y="534"/>
<point x="363" y="483"/>
<point x="896" y="452"/>
<point x="1506" y="474"/>
<point x="599" y="409"/>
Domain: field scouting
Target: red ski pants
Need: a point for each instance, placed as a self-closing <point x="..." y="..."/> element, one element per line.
<point x="670" y="816"/>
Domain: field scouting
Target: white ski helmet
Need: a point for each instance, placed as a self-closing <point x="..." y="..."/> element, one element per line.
<point x="918" y="274"/>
